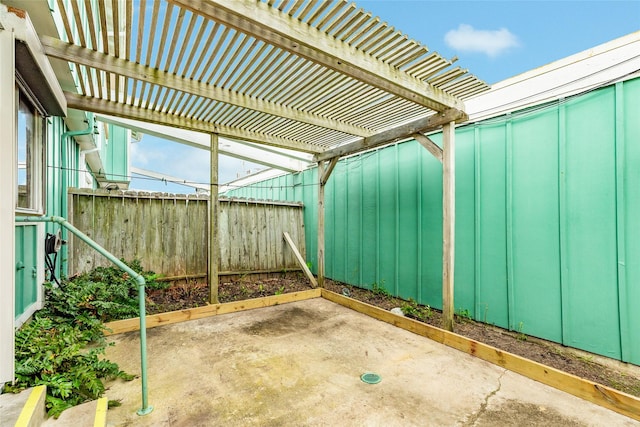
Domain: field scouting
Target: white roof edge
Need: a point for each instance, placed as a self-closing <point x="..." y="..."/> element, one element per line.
<point x="589" y="69"/>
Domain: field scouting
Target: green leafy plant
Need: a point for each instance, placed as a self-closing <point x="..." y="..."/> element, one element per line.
<point x="521" y="336"/>
<point x="380" y="290"/>
<point x="103" y="294"/>
<point x="63" y="346"/>
<point x="463" y="314"/>
<point x="280" y="290"/>
<point x="414" y="310"/>
<point x="67" y="358"/>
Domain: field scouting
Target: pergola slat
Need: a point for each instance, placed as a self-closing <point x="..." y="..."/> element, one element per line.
<point x="255" y="66"/>
<point x="134" y="113"/>
<point x="271" y="26"/>
<point x="123" y="67"/>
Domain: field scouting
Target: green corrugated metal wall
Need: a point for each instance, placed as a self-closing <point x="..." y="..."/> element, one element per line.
<point x="114" y="154"/>
<point x="547" y="204"/>
<point x="55" y="194"/>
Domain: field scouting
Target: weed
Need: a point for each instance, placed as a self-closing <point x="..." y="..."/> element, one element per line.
<point x="280" y="290"/>
<point x="380" y="290"/>
<point x="586" y="359"/>
<point x="244" y="290"/>
<point x="521" y="335"/>
<point x="412" y="309"/>
<point x="463" y="314"/>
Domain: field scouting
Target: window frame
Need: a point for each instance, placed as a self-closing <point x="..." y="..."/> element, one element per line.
<point x="36" y="160"/>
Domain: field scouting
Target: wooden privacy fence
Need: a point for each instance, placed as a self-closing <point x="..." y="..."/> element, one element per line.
<point x="168" y="232"/>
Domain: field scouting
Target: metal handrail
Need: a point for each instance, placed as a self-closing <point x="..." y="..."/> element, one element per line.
<point x="146" y="408"/>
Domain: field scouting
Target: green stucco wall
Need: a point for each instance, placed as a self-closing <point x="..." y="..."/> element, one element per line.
<point x="546" y="220"/>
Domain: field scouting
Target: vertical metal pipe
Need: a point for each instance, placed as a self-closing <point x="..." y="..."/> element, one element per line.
<point x="64" y="183"/>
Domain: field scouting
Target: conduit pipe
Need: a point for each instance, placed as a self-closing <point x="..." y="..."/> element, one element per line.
<point x="146" y="409"/>
<point x="64" y="183"/>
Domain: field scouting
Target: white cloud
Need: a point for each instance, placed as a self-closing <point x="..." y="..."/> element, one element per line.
<point x="490" y="42"/>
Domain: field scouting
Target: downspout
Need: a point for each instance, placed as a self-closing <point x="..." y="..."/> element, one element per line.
<point x="64" y="182"/>
<point x="146" y="409"/>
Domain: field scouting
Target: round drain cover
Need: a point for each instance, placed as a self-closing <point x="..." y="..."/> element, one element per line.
<point x="371" y="378"/>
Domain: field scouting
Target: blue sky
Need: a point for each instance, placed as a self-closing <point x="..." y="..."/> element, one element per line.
<point x="495" y="40"/>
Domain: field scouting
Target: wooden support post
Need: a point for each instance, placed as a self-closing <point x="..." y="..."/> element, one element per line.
<point x="320" y="224"/>
<point x="448" y="222"/>
<point x="323" y="177"/>
<point x="301" y="261"/>
<point x="214" y="244"/>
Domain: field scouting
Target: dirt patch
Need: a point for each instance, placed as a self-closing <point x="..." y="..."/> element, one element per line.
<point x="287" y="322"/>
<point x="196" y="294"/>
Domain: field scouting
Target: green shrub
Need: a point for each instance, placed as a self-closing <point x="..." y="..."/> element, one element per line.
<point x="66" y="358"/>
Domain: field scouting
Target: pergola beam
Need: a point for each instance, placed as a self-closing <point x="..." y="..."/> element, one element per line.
<point x="404" y="131"/>
<point x="266" y="23"/>
<point x="254" y="153"/>
<point x="102" y="106"/>
<point x="59" y="49"/>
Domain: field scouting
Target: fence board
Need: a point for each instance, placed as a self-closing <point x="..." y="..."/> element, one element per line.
<point x="168" y="233"/>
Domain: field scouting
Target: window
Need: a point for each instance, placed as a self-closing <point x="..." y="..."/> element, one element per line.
<point x="30" y="169"/>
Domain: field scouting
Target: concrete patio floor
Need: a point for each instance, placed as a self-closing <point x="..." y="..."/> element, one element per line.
<point x="300" y="364"/>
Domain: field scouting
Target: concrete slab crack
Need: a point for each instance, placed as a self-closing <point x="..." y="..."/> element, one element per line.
<point x="483" y="407"/>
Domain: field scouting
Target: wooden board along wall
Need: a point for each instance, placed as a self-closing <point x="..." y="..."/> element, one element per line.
<point x="168" y="232"/>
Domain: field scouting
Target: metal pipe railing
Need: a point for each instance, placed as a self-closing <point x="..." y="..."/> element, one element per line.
<point x="146" y="409"/>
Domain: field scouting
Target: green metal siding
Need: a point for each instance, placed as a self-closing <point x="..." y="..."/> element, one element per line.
<point x="590" y="283"/>
<point x="534" y="270"/>
<point x="114" y="154"/>
<point x="55" y="195"/>
<point x="546" y="220"/>
<point x="628" y="177"/>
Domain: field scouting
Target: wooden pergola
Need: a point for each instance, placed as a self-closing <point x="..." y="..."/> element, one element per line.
<point x="320" y="77"/>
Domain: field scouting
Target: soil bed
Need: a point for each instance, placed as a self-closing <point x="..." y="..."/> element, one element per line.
<point x="196" y="294"/>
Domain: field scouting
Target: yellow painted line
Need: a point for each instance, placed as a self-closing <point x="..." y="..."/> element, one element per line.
<point x="100" y="419"/>
<point x="31" y="406"/>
